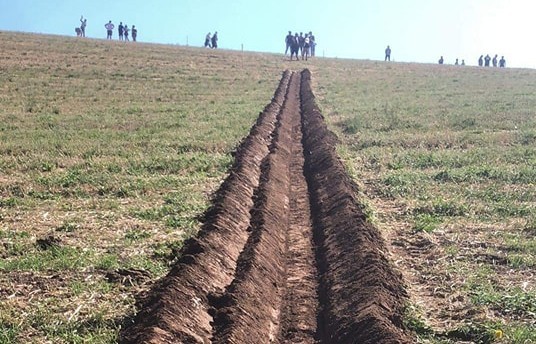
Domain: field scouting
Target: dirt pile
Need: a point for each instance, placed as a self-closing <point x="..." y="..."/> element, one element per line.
<point x="286" y="254"/>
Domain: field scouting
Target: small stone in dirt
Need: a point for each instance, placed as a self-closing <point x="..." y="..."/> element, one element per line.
<point x="48" y="242"/>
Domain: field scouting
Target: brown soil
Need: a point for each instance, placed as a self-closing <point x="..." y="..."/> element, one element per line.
<point x="286" y="254"/>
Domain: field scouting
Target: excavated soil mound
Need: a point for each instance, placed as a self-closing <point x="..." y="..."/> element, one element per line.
<point x="285" y="253"/>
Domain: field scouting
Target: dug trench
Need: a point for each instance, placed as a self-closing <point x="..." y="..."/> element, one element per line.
<point x="286" y="254"/>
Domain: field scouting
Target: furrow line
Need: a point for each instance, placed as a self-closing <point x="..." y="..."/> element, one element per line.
<point x="177" y="308"/>
<point x="300" y="301"/>
<point x="362" y="297"/>
<point x="249" y="310"/>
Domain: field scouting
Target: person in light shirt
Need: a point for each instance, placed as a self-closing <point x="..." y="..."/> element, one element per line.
<point x="109" y="29"/>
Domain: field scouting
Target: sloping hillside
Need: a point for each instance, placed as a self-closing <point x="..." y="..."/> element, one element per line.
<point x="110" y="152"/>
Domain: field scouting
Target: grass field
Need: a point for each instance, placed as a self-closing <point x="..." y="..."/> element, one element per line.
<point x="109" y="153"/>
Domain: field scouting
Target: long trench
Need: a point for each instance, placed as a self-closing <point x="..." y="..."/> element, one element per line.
<point x="285" y="254"/>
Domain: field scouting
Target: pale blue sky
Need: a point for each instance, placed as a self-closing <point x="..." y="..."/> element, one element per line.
<point x="416" y="30"/>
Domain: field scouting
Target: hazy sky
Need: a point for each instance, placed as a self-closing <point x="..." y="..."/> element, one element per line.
<point x="416" y="30"/>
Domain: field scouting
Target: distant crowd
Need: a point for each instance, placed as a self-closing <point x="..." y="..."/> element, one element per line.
<point x="301" y="44"/>
<point x="123" y="30"/>
<point x="298" y="44"/>
<point x="482" y="61"/>
<point x="485" y="61"/>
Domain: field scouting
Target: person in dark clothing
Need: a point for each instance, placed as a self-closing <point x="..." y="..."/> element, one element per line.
<point x="120" y="30"/>
<point x="207" y="41"/>
<point x="486" y="60"/>
<point x="295" y="46"/>
<point x="134" y="33"/>
<point x="441" y="60"/>
<point x="388" y="54"/>
<point x="215" y="40"/>
<point x="83" y="23"/>
<point x="306" y="46"/>
<point x="288" y="42"/>
<point x="109" y="29"/>
<point x="494" y="61"/>
<point x="502" y="62"/>
<point x="481" y="60"/>
<point x="301" y="42"/>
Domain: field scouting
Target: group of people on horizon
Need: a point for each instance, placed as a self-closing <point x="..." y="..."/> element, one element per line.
<point x="484" y="61"/>
<point x="300" y="44"/>
<point x="122" y="30"/>
<point x="211" y="41"/>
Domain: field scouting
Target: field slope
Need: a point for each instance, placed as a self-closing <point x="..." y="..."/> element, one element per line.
<point x="110" y="153"/>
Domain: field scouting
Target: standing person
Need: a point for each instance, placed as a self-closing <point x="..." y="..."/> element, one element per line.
<point x="441" y="60"/>
<point x="305" y="49"/>
<point x="456" y="63"/>
<point x="388" y="53"/>
<point x="288" y="42"/>
<point x="494" y="61"/>
<point x="134" y="33"/>
<point x="481" y="60"/>
<point x="486" y="60"/>
<point x="502" y="62"/>
<point x="215" y="40"/>
<point x="463" y="62"/>
<point x="295" y="47"/>
<point x="83" y="23"/>
<point x="125" y="32"/>
<point x="301" y="42"/>
<point x="312" y="43"/>
<point x="109" y="29"/>
<point x="120" y="29"/>
<point x="207" y="41"/>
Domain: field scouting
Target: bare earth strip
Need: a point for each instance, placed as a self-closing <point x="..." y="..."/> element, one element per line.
<point x="299" y="316"/>
<point x="286" y="254"/>
<point x="177" y="308"/>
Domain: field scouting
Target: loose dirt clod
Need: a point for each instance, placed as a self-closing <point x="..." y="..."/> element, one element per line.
<point x="286" y="254"/>
<point x="48" y="242"/>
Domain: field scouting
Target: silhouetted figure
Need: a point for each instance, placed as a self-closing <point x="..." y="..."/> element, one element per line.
<point x="502" y="62"/>
<point x="288" y="42"/>
<point x="301" y="42"/>
<point x="481" y="60"/>
<point x="306" y="46"/>
<point x="388" y="53"/>
<point x="134" y="33"/>
<point x="456" y="63"/>
<point x="463" y="62"/>
<point x="78" y="32"/>
<point x="215" y="40"/>
<point x="295" y="47"/>
<point x="207" y="41"/>
<point x="494" y="61"/>
<point x="83" y="23"/>
<point x="125" y="32"/>
<point x="486" y="60"/>
<point x="109" y="29"/>
<point x="440" y="60"/>
<point x="121" y="30"/>
<point x="312" y="43"/>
